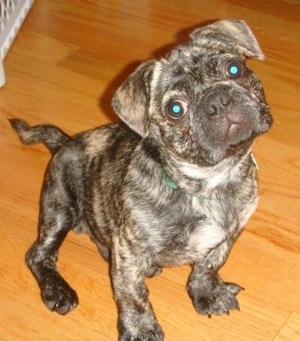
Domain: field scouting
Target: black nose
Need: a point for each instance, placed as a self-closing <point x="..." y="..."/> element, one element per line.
<point x="218" y="103"/>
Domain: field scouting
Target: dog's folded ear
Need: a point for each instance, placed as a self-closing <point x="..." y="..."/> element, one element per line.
<point x="131" y="101"/>
<point x="230" y="32"/>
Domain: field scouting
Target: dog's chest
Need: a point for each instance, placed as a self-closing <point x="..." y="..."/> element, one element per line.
<point x="189" y="229"/>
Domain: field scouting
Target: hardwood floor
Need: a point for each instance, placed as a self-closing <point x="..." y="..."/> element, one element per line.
<point x="63" y="68"/>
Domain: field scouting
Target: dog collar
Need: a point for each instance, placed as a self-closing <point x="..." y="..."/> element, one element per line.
<point x="168" y="181"/>
<point x="171" y="184"/>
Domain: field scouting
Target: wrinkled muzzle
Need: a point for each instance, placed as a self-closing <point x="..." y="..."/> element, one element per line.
<point x="230" y="115"/>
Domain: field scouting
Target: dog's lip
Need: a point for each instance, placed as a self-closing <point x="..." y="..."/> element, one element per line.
<point x="233" y="129"/>
<point x="244" y="142"/>
<point x="238" y="133"/>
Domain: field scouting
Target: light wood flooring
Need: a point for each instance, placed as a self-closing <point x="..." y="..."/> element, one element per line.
<point x="63" y="68"/>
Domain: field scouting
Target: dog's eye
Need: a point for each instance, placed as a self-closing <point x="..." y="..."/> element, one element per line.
<point x="234" y="69"/>
<point x="177" y="108"/>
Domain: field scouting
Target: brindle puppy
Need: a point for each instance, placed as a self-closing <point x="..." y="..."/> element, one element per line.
<point x="174" y="184"/>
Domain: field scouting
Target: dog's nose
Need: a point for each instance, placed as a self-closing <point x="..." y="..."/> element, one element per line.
<point x="218" y="104"/>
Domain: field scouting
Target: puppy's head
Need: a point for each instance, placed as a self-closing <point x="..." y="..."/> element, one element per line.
<point x="201" y="102"/>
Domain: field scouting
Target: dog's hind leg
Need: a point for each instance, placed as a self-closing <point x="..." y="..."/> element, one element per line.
<point x="58" y="215"/>
<point x="56" y="293"/>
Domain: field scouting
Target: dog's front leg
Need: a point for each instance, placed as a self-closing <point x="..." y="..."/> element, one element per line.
<point x="137" y="321"/>
<point x="209" y="293"/>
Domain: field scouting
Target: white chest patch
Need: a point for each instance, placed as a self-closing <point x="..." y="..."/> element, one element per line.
<point x="206" y="238"/>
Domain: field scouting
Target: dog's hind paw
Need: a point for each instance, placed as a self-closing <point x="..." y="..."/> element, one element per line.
<point x="58" y="296"/>
<point x="218" y="301"/>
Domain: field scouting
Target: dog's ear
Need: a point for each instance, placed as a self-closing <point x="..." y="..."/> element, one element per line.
<point x="131" y="101"/>
<point x="231" y="32"/>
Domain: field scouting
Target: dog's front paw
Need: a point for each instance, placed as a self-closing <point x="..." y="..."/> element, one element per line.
<point x="217" y="301"/>
<point x="142" y="332"/>
<point x="149" y="335"/>
<point x="58" y="295"/>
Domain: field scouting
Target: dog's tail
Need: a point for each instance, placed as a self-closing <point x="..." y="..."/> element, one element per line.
<point x="52" y="137"/>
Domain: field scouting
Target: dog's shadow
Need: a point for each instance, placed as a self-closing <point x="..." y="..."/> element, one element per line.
<point x="105" y="100"/>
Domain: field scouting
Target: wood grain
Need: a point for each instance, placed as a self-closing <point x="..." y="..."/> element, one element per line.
<point x="63" y="68"/>
<point x="290" y="330"/>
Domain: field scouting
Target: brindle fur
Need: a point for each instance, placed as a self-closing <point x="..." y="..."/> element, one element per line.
<point x="113" y="182"/>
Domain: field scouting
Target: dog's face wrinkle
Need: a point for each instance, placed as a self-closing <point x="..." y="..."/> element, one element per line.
<point x="194" y="135"/>
<point x="180" y="140"/>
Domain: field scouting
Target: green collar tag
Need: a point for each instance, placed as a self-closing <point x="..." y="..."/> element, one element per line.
<point x="171" y="184"/>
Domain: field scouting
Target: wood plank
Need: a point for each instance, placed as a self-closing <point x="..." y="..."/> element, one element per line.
<point x="291" y="329"/>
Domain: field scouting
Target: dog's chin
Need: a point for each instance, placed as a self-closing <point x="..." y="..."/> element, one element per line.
<point x="241" y="147"/>
<point x="238" y="148"/>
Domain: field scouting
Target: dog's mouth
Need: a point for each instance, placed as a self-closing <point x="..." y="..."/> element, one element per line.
<point x="236" y="131"/>
<point x="228" y="137"/>
<point x="233" y="129"/>
<point x="241" y="145"/>
<point x="240" y="136"/>
<point x="256" y="122"/>
<point x="239" y="123"/>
